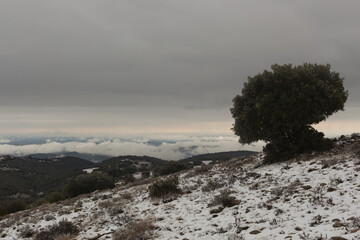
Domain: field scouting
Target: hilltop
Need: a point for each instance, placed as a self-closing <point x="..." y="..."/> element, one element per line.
<point x="27" y="177"/>
<point x="313" y="196"/>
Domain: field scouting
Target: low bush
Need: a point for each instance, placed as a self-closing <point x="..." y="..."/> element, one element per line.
<point x="224" y="199"/>
<point x="129" y="179"/>
<point x="54" y="197"/>
<point x="162" y="188"/>
<point x="145" y="174"/>
<point x="64" y="227"/>
<point x="27" y="232"/>
<point x="39" y="202"/>
<point x="11" y="206"/>
<point x="172" y="167"/>
<point x="139" y="230"/>
<point x="88" y="183"/>
<point x="212" y="185"/>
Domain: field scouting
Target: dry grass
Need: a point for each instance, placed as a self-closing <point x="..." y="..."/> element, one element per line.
<point x="66" y="237"/>
<point x="137" y="230"/>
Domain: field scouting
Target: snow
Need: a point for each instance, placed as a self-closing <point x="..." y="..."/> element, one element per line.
<point x="299" y="199"/>
<point x="90" y="170"/>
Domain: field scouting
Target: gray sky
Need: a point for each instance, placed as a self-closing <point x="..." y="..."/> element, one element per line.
<point x="161" y="66"/>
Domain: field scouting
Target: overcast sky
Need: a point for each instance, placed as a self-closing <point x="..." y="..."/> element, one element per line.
<point x="127" y="67"/>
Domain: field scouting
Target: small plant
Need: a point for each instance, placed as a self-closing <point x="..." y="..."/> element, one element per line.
<point x="62" y="228"/>
<point x="129" y="179"/>
<point x="352" y="224"/>
<point x="212" y="185"/>
<point x="165" y="187"/>
<point x="328" y="163"/>
<point x="224" y="199"/>
<point x="141" y="230"/>
<point x="202" y="169"/>
<point x="335" y="181"/>
<point x="27" y="232"/>
<point x="316" y="221"/>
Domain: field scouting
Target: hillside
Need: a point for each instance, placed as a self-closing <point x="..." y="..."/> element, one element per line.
<point x="220" y="156"/>
<point x="95" y="158"/>
<point x="25" y="178"/>
<point x="312" y="197"/>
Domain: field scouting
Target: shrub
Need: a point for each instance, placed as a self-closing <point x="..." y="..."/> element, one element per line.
<point x="88" y="183"/>
<point x="139" y="230"/>
<point x="162" y="188"/>
<point x="53" y="232"/>
<point x="145" y="174"/>
<point x="129" y="179"/>
<point x="11" y="206"/>
<point x="212" y="185"/>
<point x="224" y="199"/>
<point x="172" y="167"/>
<point x="54" y="197"/>
<point x="27" y="232"/>
<point x="39" y="202"/>
<point x="279" y="107"/>
<point x="201" y="169"/>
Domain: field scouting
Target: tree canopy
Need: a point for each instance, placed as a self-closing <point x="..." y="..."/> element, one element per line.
<point x="279" y="106"/>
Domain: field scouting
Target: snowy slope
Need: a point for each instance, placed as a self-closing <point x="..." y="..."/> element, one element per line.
<point x="310" y="197"/>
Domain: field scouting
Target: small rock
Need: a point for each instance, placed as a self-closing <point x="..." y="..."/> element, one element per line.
<point x="338" y="224"/>
<point x="312" y="169"/>
<point x="298" y="229"/>
<point x="254" y="232"/>
<point x="331" y="189"/>
<point x="307" y="187"/>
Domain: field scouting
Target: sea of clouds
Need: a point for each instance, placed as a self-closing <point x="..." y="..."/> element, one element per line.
<point x="168" y="148"/>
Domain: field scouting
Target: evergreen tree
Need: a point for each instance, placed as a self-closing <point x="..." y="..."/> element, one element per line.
<point x="279" y="107"/>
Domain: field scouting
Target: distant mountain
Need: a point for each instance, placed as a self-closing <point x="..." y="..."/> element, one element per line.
<point x="90" y="157"/>
<point x="26" y="177"/>
<point x="220" y="156"/>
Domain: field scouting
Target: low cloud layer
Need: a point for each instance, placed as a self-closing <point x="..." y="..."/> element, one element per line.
<point x="170" y="149"/>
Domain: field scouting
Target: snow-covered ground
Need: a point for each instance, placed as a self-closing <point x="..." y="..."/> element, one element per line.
<point x="310" y="197"/>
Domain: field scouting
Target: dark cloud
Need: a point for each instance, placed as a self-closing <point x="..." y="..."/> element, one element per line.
<point x="164" y="54"/>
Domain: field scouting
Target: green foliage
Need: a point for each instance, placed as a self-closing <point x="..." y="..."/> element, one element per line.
<point x="87" y="183"/>
<point x="279" y="107"/>
<point x="145" y="174"/>
<point x="64" y="227"/>
<point x="172" y="167"/>
<point x="129" y="179"/>
<point x="11" y="206"/>
<point x="54" y="197"/>
<point x="164" y="187"/>
<point x="38" y="202"/>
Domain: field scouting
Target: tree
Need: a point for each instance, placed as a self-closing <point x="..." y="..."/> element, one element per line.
<point x="279" y="107"/>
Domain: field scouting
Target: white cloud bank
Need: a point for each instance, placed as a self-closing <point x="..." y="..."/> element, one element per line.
<point x="179" y="149"/>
